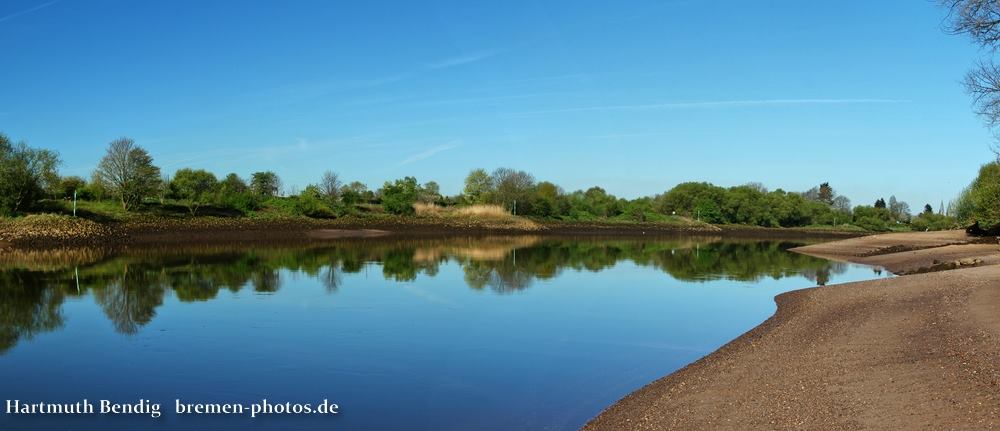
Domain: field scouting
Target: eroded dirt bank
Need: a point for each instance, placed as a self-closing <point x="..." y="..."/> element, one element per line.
<point x="48" y="232"/>
<point x="918" y="351"/>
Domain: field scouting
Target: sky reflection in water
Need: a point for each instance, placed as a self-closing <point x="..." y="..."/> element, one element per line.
<point x="464" y="333"/>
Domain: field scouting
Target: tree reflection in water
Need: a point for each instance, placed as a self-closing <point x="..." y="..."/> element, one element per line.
<point x="130" y="287"/>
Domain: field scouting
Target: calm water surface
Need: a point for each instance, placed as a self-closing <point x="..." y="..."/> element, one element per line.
<point x="459" y="334"/>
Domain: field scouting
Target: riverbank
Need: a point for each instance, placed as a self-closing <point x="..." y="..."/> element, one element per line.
<point x="919" y="351"/>
<point x="58" y="231"/>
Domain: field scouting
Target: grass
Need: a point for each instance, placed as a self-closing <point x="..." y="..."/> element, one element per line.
<point x="491" y="212"/>
<point x="490" y="216"/>
<point x="111" y="211"/>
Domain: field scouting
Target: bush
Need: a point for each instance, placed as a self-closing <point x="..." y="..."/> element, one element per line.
<point x="983" y="199"/>
<point x="25" y="173"/>
<point x="871" y="223"/>
<point x="310" y="203"/>
<point x="931" y="221"/>
<point x="69" y="185"/>
<point x="195" y="187"/>
<point x="398" y="197"/>
<point x="277" y="206"/>
<point x="245" y="202"/>
<point x="702" y="200"/>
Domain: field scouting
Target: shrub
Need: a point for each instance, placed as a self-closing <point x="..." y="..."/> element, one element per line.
<point x="871" y="223"/>
<point x="311" y="203"/>
<point x="984" y="198"/>
<point x="931" y="221"/>
<point x="398" y="197"/>
<point x="195" y="187"/>
<point x="25" y="173"/>
<point x="69" y="185"/>
<point x="245" y="203"/>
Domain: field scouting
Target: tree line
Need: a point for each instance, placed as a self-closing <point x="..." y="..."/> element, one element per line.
<point x="128" y="176"/>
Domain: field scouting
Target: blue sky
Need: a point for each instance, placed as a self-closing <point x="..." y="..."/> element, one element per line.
<point x="633" y="96"/>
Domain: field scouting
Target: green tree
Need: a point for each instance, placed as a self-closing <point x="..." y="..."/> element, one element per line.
<point x="234" y="193"/>
<point x="232" y="185"/>
<point x="265" y="184"/>
<point x="355" y="193"/>
<point x="872" y="217"/>
<point x="639" y="209"/>
<point x="930" y="221"/>
<point x="128" y="172"/>
<point x="96" y="188"/>
<point x="984" y="199"/>
<point x="429" y="193"/>
<point x="547" y="197"/>
<point x="312" y="202"/>
<point x="194" y="187"/>
<point x="478" y="187"/>
<point x="70" y="185"/>
<point x="398" y="197"/>
<point x="696" y="200"/>
<point x="746" y="205"/>
<point x="598" y="202"/>
<point x="25" y="174"/>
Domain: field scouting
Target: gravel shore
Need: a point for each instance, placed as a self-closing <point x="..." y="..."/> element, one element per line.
<point x="918" y="351"/>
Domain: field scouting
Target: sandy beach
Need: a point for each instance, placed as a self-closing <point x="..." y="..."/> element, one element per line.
<point x="918" y="351"/>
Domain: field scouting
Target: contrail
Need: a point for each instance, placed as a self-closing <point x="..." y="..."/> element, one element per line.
<point x="715" y="104"/>
<point x="27" y="11"/>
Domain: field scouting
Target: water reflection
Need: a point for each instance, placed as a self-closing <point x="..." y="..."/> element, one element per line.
<point x="131" y="286"/>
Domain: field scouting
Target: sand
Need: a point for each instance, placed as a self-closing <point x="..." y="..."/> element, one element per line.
<point x="918" y="351"/>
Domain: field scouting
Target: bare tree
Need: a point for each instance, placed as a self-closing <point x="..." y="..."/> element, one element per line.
<point x="980" y="19"/>
<point x="900" y="210"/>
<point x="330" y="186"/>
<point x="983" y="83"/>
<point x="842" y="203"/>
<point x="757" y="186"/>
<point x="128" y="171"/>
<point x="511" y="186"/>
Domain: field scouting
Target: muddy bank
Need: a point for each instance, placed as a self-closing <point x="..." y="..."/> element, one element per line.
<point x="60" y="232"/>
<point x="912" y="352"/>
<point x="912" y="252"/>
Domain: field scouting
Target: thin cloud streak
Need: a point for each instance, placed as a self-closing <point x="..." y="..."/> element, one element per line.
<point x="27" y="11"/>
<point x="304" y="91"/>
<point x="461" y="60"/>
<point x="301" y="145"/>
<point x="430" y="152"/>
<point x="716" y="104"/>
